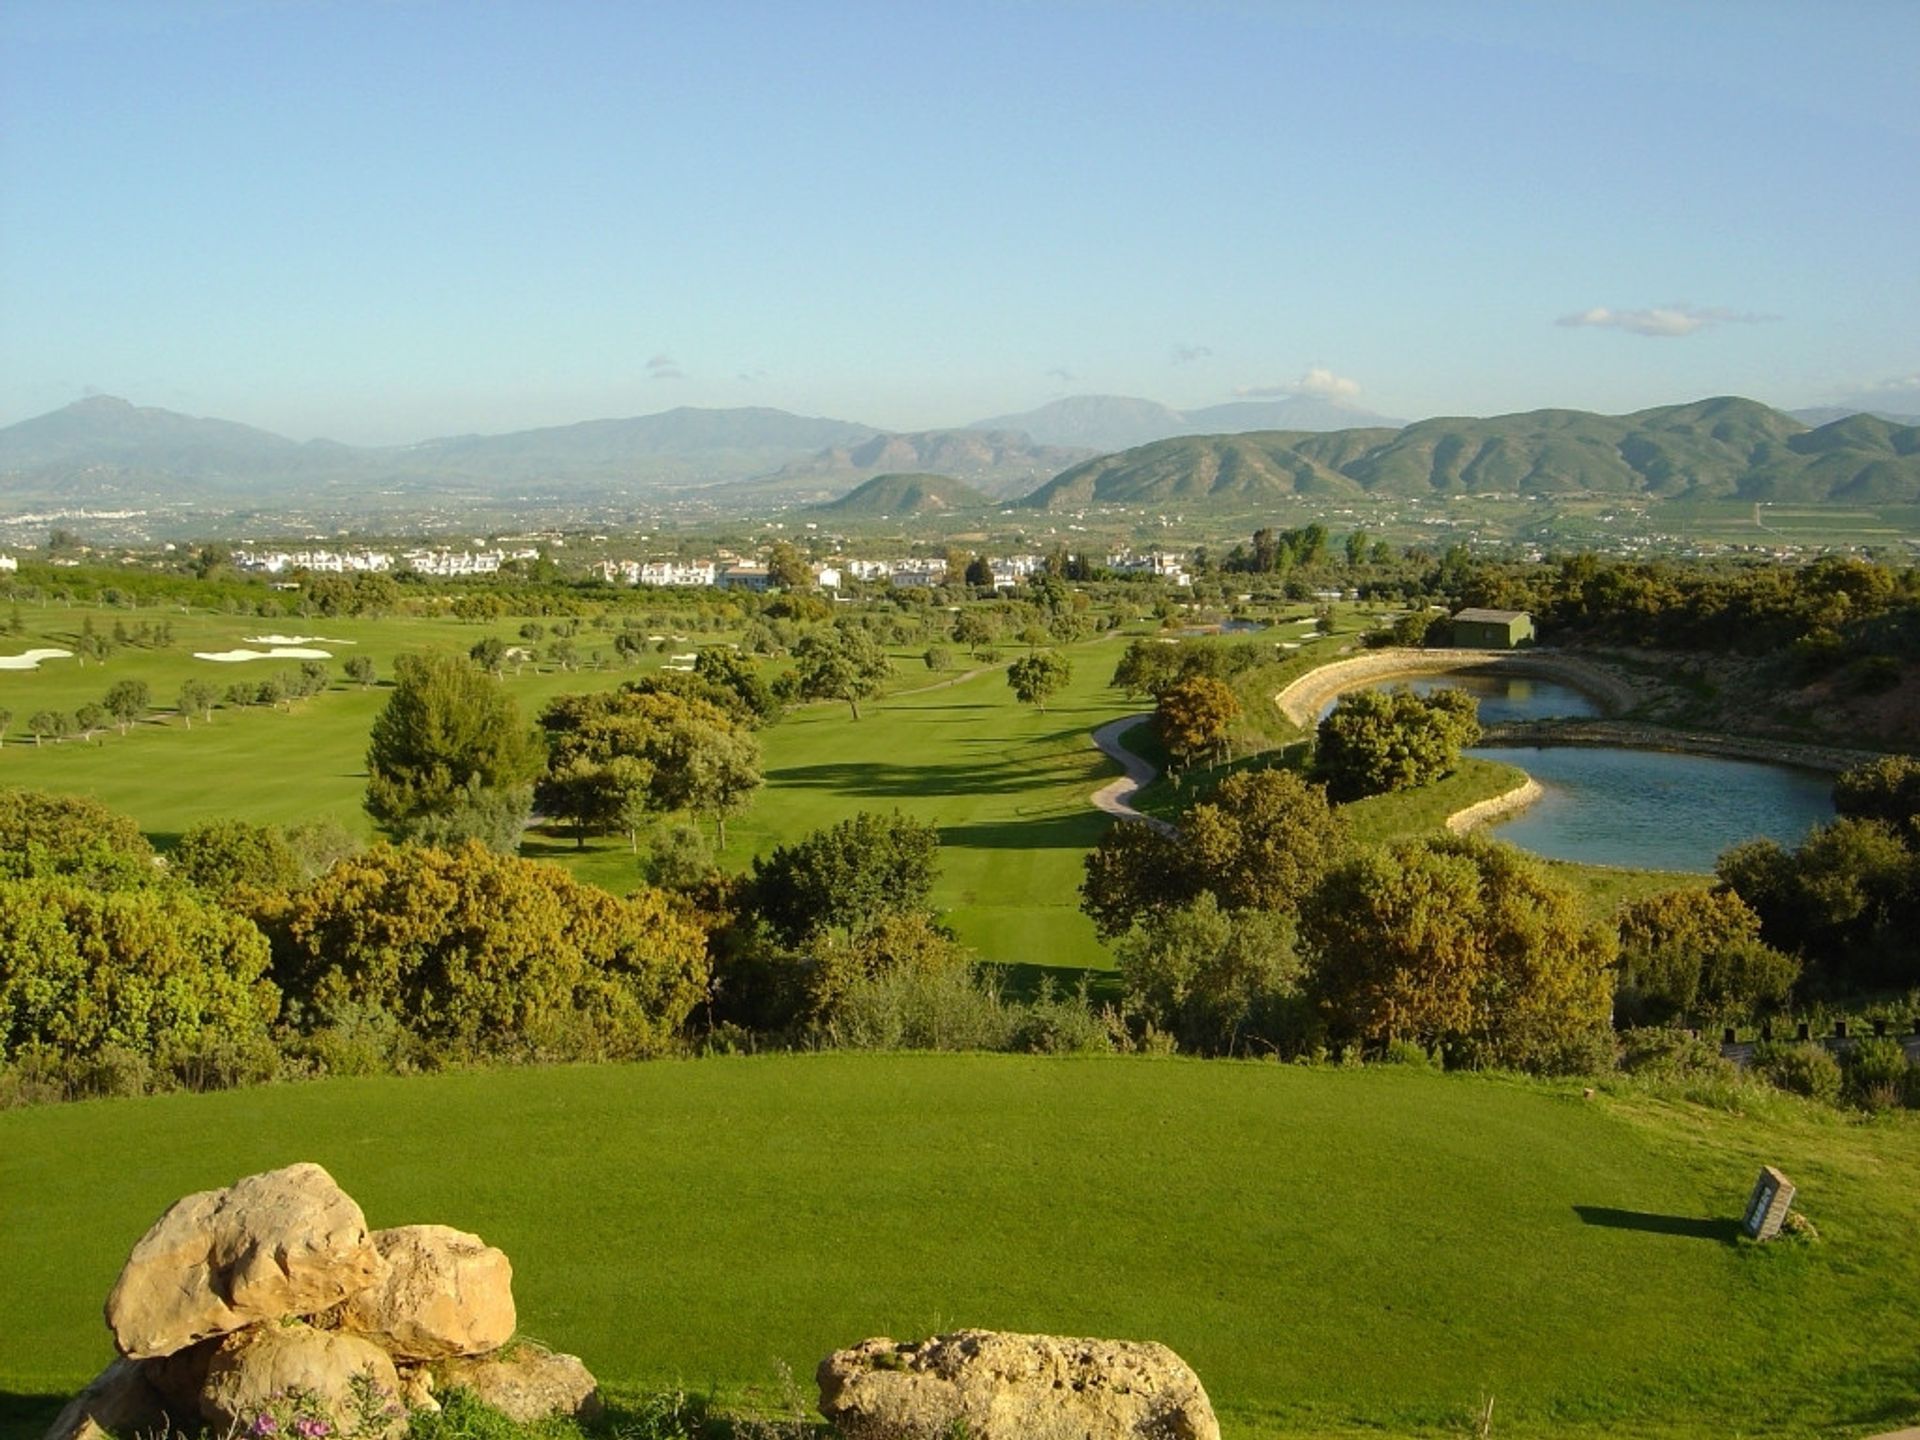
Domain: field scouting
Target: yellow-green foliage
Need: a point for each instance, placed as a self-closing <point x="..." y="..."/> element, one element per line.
<point x="157" y="971"/>
<point x="1463" y="944"/>
<point x="480" y="954"/>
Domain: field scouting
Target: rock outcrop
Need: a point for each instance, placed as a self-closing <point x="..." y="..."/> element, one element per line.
<point x="1014" y="1387"/>
<point x="269" y="1301"/>
<point x="349" y="1382"/>
<point x="445" y="1293"/>
<point x="120" y="1400"/>
<point x="286" y="1242"/>
<point x="528" y="1383"/>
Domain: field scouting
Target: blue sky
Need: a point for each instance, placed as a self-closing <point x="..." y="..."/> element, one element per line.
<point x="384" y="221"/>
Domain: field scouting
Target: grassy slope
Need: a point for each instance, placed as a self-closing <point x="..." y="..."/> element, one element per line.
<point x="1332" y="1250"/>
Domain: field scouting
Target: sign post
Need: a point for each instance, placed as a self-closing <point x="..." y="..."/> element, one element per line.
<point x="1768" y="1205"/>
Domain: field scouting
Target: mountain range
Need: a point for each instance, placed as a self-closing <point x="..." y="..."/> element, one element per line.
<point x="1119" y="422"/>
<point x="1720" y="448"/>
<point x="896" y="496"/>
<point x="106" y="450"/>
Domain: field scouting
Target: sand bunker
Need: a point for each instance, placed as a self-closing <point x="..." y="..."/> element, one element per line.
<point x="30" y="660"/>
<point x="293" y="640"/>
<point x="279" y="652"/>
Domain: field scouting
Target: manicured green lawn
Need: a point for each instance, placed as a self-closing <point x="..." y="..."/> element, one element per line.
<point x="1336" y="1251"/>
<point x="264" y="765"/>
<point x="1006" y="784"/>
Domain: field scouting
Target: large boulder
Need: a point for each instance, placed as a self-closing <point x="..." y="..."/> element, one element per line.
<point x="527" y="1383"/>
<point x="286" y="1242"/>
<point x="120" y="1399"/>
<point x="1014" y="1387"/>
<point x="343" y="1380"/>
<point x="445" y="1293"/>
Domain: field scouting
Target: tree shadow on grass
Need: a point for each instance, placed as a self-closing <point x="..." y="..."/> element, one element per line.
<point x="1022" y="980"/>
<point x="1057" y="832"/>
<point x="1686" y="1226"/>
<point x="25" y="1416"/>
<point x="880" y="779"/>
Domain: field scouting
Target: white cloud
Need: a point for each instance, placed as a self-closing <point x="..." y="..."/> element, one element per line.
<point x="1062" y="374"/>
<point x="1187" y="354"/>
<point x="1319" y="382"/>
<point x="1662" y="322"/>
<point x="1323" y="383"/>
<point x="663" y="367"/>
<point x="1902" y="385"/>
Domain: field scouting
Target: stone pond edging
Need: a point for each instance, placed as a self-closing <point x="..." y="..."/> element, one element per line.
<point x="1300" y="702"/>
<point x="1480" y="812"/>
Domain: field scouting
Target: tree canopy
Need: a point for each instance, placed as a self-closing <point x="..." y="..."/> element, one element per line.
<point x="450" y="739"/>
<point x="1260" y="841"/>
<point x="840" y="662"/>
<point x="1463" y="945"/>
<point x="1036" y="677"/>
<point x="1376" y="741"/>
<point x="1696" y="955"/>
<point x="846" y="876"/>
<point x="1194" y="716"/>
<point x="480" y="954"/>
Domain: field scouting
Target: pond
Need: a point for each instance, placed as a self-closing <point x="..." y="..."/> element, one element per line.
<point x="1653" y="809"/>
<point x="1503" y="698"/>
<point x="1647" y="809"/>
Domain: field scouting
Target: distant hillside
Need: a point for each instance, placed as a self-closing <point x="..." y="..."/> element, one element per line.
<point x="1723" y="447"/>
<point x="112" y="446"/>
<point x="687" y="444"/>
<point x="906" y="495"/>
<point x="1820" y="415"/>
<point x="1001" y="463"/>
<point x="106" y="448"/>
<point x="1118" y="422"/>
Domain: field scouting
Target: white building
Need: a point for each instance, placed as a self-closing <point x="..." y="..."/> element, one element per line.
<point x="1155" y="563"/>
<point x="919" y="574"/>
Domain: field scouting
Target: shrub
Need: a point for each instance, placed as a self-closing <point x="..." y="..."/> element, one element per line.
<point x="43" y="835"/>
<point x="1376" y="741"/>
<point x="1466" y="945"/>
<point x="156" y="972"/>
<point x="1876" y="1072"/>
<point x="482" y="955"/>
<point x="219" y="857"/>
<point x="1211" y="978"/>
<point x="1406" y="1052"/>
<point x="1696" y="955"/>
<point x="945" y="1008"/>
<point x="1064" y="1024"/>
<point x="1666" y="1053"/>
<point x="1799" y="1068"/>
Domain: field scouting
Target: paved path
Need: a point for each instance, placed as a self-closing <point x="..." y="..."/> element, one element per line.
<point x="1114" y="795"/>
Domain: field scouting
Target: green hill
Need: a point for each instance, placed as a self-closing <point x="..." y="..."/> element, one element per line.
<point x="906" y="495"/>
<point x="1710" y="449"/>
<point x="1336" y="1252"/>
